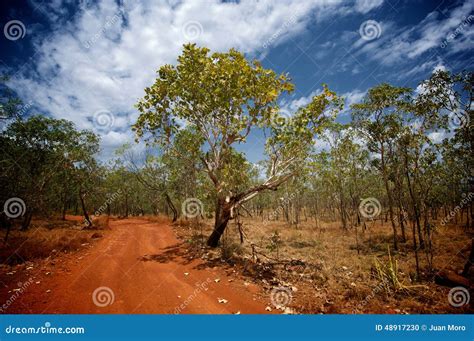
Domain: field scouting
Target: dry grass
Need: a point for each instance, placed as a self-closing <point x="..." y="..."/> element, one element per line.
<point x="44" y="239"/>
<point x="337" y="272"/>
<point x="100" y="222"/>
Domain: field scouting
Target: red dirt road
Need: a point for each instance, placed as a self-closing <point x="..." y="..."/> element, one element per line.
<point x="140" y="264"/>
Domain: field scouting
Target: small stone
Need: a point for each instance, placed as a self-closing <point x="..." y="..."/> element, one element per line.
<point x="268" y="309"/>
<point x="186" y="273"/>
<point x="48" y="291"/>
<point x="237" y="313"/>
<point x="217" y="280"/>
<point x="222" y="300"/>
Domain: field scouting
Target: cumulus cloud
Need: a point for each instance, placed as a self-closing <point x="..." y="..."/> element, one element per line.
<point x="100" y="56"/>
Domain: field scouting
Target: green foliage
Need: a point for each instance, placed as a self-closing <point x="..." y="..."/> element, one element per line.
<point x="45" y="156"/>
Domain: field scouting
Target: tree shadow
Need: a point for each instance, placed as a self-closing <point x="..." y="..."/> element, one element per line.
<point x="181" y="253"/>
<point x="173" y="253"/>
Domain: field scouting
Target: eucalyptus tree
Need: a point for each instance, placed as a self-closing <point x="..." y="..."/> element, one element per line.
<point x="379" y="119"/>
<point x="224" y="98"/>
<point x="451" y="96"/>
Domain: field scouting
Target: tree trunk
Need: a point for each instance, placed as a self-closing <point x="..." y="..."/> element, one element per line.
<point x="27" y="220"/>
<point x="470" y="261"/>
<point x="63" y="215"/>
<point x="390" y="199"/>
<point x="221" y="219"/>
<point x="414" y="202"/>
<point x="126" y="205"/>
<point x="343" y="210"/>
<point x="84" y="210"/>
<point x="172" y="207"/>
<point x="6" y="224"/>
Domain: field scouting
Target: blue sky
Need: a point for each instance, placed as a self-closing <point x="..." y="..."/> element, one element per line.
<point x="90" y="61"/>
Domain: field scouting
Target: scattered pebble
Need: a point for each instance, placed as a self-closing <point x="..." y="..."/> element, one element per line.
<point x="268" y="309"/>
<point x="217" y="280"/>
<point x="48" y="291"/>
<point x="237" y="313"/>
<point x="186" y="273"/>
<point x="222" y="300"/>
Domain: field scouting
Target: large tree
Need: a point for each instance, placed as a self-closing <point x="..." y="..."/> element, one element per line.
<point x="223" y="97"/>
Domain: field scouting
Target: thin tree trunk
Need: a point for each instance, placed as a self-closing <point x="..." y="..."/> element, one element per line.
<point x="27" y="220"/>
<point x="470" y="261"/>
<point x="84" y="210"/>
<point x="172" y="207"/>
<point x="390" y="200"/>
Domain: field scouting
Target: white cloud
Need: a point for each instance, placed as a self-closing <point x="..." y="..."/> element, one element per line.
<point x="105" y="55"/>
<point x="365" y="6"/>
<point x="452" y="32"/>
<point x="438" y="136"/>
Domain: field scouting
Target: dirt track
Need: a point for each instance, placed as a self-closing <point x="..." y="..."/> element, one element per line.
<point x="140" y="263"/>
